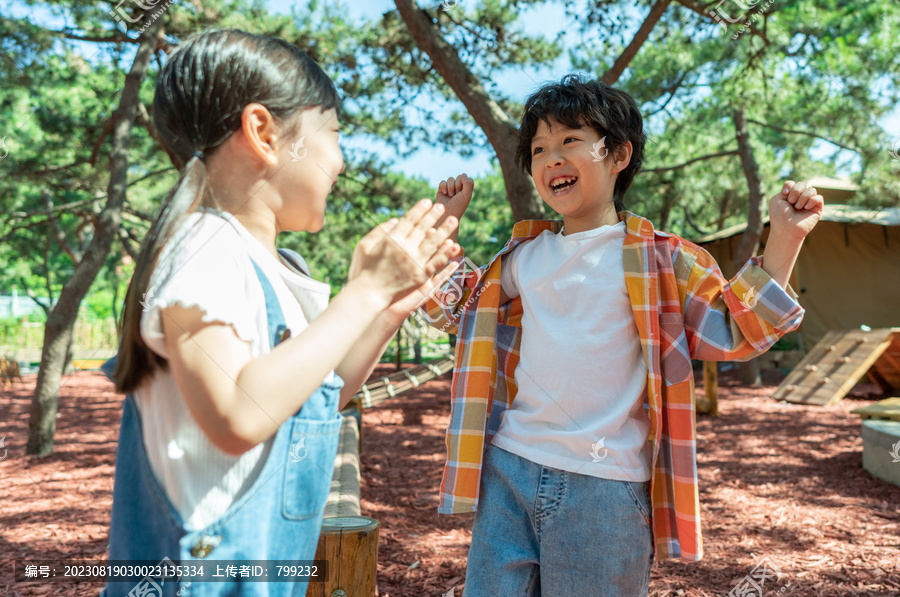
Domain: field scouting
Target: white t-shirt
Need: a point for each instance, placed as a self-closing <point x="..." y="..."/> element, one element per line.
<point x="207" y="264"/>
<point x="581" y="374"/>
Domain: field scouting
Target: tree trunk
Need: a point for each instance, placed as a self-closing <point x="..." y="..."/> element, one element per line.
<point x="61" y="318"/>
<point x="70" y="351"/>
<point x="724" y="206"/>
<point x="668" y="198"/>
<point x="488" y="115"/>
<point x="414" y="333"/>
<point x="711" y="386"/>
<point x="749" y="243"/>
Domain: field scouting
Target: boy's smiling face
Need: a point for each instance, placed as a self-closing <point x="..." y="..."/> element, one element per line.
<point x="575" y="175"/>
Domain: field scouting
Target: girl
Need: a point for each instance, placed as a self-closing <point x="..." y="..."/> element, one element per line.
<point x="227" y="443"/>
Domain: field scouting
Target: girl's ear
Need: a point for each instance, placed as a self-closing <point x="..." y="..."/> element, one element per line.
<point x="622" y="157"/>
<point x="260" y="132"/>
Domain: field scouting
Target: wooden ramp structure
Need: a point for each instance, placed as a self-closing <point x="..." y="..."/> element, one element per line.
<point x="888" y="409"/>
<point x="881" y="439"/>
<point x="837" y="363"/>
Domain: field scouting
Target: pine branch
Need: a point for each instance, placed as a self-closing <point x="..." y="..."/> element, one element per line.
<point x="615" y="71"/>
<point x="689" y="162"/>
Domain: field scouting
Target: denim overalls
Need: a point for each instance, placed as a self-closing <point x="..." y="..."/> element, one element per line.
<point x="278" y="518"/>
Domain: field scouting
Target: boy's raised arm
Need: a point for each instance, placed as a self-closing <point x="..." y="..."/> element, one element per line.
<point x="454" y="194"/>
<point x="737" y="319"/>
<point x="793" y="213"/>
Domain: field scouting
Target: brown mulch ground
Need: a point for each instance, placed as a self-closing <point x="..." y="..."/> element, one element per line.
<point x="778" y="481"/>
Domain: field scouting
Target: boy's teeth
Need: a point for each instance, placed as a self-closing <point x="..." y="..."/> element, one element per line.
<point x="563" y="183"/>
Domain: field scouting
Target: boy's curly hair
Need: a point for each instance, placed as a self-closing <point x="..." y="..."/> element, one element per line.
<point x="575" y="102"/>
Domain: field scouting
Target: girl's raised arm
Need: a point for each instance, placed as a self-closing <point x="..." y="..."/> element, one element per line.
<point x="240" y="401"/>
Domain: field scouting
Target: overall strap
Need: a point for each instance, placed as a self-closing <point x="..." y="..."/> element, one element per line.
<point x="296" y="260"/>
<point x="274" y="314"/>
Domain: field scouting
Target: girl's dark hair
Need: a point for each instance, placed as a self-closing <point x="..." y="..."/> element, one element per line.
<point x="575" y="102"/>
<point x="200" y="95"/>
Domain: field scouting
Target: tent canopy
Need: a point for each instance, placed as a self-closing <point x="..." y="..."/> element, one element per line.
<point x="847" y="274"/>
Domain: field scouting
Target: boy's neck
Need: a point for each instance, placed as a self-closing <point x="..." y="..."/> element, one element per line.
<point x="606" y="216"/>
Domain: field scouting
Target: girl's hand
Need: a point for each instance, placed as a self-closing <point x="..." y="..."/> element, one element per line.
<point x="795" y="210"/>
<point x="394" y="315"/>
<point x="455" y="194"/>
<point x="399" y="256"/>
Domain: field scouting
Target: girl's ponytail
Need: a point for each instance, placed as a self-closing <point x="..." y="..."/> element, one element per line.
<point x="200" y="95"/>
<point x="135" y="359"/>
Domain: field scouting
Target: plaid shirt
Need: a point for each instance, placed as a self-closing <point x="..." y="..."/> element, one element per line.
<point x="683" y="307"/>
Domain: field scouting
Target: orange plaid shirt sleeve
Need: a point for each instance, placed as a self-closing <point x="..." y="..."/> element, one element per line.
<point x="683" y="308"/>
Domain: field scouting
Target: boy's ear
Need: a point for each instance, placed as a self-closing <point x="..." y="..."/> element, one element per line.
<point x="622" y="157"/>
<point x="260" y="132"/>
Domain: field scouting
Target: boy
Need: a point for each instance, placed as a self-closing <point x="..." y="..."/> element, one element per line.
<point x="573" y="397"/>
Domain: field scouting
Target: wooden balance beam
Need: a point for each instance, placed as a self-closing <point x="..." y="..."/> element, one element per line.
<point x="348" y="541"/>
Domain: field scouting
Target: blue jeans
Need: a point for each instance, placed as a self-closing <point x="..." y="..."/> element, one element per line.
<point x="540" y="530"/>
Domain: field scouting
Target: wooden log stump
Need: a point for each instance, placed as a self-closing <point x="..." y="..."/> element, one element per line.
<point x="710" y="403"/>
<point x="350" y="546"/>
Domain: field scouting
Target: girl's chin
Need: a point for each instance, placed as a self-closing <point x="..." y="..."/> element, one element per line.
<point x="317" y="224"/>
<point x="307" y="224"/>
